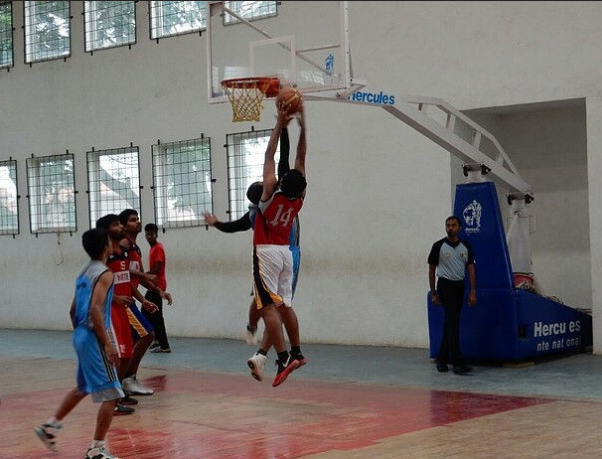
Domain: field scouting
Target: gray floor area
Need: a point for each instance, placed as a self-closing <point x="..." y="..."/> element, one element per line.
<point x="569" y="376"/>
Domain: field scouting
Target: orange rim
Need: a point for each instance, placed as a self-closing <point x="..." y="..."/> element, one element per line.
<point x="270" y="86"/>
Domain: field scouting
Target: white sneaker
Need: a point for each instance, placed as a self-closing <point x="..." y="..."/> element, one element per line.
<point x="47" y="433"/>
<point x="257" y="364"/>
<point x="251" y="336"/>
<point x="131" y="386"/>
<point x="99" y="453"/>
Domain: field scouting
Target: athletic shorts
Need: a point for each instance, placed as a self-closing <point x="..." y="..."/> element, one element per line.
<point x="296" y="252"/>
<point x="140" y="326"/>
<point x="95" y="375"/>
<point x="272" y="275"/>
<point x="122" y="331"/>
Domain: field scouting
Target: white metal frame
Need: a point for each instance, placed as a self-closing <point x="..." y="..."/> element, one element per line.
<point x="347" y="86"/>
<point x="411" y="110"/>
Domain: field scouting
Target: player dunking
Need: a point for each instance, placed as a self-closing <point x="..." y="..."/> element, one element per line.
<point x="257" y="362"/>
<point x="280" y="203"/>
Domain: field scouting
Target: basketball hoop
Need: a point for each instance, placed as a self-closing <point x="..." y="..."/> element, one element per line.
<point x="246" y="94"/>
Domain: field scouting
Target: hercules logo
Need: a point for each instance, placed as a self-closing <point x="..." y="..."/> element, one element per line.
<point x="472" y="217"/>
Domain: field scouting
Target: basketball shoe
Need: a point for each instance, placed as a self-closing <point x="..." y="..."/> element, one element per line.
<point x="131" y="386"/>
<point x="257" y="364"/>
<point x="128" y="401"/>
<point x="299" y="358"/>
<point x="99" y="453"/>
<point x="121" y="410"/>
<point x="47" y="433"/>
<point x="284" y="370"/>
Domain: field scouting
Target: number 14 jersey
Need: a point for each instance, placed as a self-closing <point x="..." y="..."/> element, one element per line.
<point x="275" y="219"/>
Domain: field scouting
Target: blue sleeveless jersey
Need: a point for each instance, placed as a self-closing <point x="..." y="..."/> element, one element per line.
<point x="84" y="286"/>
<point x="94" y="373"/>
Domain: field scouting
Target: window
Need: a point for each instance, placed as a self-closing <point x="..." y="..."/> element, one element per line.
<point x="9" y="209"/>
<point x="182" y="182"/>
<point x="109" y="24"/>
<point x="246" y="153"/>
<point x="176" y="18"/>
<point x="6" y="35"/>
<point x="113" y="182"/>
<point x="47" y="31"/>
<point x="51" y="188"/>
<point x="250" y="11"/>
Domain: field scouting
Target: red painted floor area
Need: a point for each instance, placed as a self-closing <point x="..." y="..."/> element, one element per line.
<point x="205" y="415"/>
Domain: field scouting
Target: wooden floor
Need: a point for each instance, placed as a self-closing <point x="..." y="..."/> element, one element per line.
<point x="198" y="414"/>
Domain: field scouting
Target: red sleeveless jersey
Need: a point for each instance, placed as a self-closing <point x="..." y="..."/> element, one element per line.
<point x="275" y="219"/>
<point x="119" y="263"/>
<point x="135" y="255"/>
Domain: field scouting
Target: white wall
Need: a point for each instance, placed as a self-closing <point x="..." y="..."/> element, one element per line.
<point x="378" y="192"/>
<point x="548" y="145"/>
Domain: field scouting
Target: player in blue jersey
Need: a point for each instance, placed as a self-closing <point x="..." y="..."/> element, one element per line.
<point x="95" y="347"/>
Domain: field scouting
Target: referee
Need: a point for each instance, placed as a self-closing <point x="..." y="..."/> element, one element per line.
<point x="449" y="261"/>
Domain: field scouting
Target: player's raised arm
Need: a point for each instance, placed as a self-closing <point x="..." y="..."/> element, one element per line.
<point x="302" y="145"/>
<point x="269" y="165"/>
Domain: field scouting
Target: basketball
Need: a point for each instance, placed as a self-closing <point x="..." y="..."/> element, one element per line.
<point x="290" y="100"/>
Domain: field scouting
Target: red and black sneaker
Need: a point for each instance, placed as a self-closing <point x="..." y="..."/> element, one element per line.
<point x="284" y="370"/>
<point x="299" y="358"/>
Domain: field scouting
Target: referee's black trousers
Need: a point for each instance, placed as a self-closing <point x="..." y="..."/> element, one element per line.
<point x="451" y="297"/>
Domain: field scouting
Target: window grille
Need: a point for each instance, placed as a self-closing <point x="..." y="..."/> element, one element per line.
<point x="245" y="156"/>
<point x="51" y="188"/>
<point x="109" y="24"/>
<point x="182" y="183"/>
<point x="9" y="199"/>
<point x="251" y="11"/>
<point x="113" y="182"/>
<point x="47" y="31"/>
<point x="176" y="18"/>
<point x="6" y="35"/>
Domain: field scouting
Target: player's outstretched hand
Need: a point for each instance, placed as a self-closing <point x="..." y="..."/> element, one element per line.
<point x="284" y="117"/>
<point x="210" y="219"/>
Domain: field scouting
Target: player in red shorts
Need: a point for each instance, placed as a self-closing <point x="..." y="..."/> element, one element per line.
<point x="119" y="263"/>
<point x="142" y="329"/>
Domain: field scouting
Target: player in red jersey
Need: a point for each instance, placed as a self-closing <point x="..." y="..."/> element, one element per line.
<point x="157" y="261"/>
<point x="118" y="263"/>
<point x="280" y="203"/>
<point x="141" y="327"/>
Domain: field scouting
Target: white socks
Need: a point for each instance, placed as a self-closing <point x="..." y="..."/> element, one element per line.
<point x="97" y="444"/>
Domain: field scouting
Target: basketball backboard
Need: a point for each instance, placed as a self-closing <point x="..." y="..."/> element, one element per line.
<point x="305" y="44"/>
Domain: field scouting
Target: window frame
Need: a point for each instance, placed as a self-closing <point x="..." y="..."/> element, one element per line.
<point x="6" y="230"/>
<point x="239" y="148"/>
<point x="160" y="189"/>
<point x="29" y="23"/>
<point x="236" y="8"/>
<point x="156" y="22"/>
<point x="93" y="171"/>
<point x="36" y="206"/>
<point x="86" y="13"/>
<point x="10" y="65"/>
